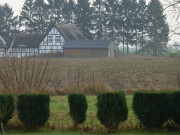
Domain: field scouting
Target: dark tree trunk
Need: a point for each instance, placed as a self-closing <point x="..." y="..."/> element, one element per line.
<point x="148" y="50"/>
<point x="123" y="44"/>
<point x="142" y="42"/>
<point x="136" y="41"/>
<point x="154" y="51"/>
<point x="127" y="46"/>
<point x="2" y="128"/>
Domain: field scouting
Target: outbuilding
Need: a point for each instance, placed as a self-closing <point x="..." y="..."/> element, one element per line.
<point x="89" y="48"/>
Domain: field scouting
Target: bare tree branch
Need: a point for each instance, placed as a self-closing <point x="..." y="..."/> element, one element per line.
<point x="172" y="5"/>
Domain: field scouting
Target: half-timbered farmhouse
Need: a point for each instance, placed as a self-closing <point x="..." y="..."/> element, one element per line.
<point x="57" y="35"/>
<point x="89" y="48"/>
<point x="51" y="42"/>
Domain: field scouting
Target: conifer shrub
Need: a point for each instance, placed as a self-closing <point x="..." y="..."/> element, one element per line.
<point x="33" y="109"/>
<point x="151" y="108"/>
<point x="111" y="109"/>
<point x="78" y="106"/>
<point x="175" y="106"/>
<point x="6" y="107"/>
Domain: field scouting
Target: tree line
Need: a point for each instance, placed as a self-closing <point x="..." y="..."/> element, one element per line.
<point x="125" y="22"/>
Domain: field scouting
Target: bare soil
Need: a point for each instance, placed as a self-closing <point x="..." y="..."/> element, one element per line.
<point x="123" y="73"/>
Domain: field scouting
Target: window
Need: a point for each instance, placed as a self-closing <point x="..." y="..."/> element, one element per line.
<point x="23" y="49"/>
<point x="32" y="49"/>
<point x="50" y="39"/>
<point x="58" y="39"/>
<point x="15" y="49"/>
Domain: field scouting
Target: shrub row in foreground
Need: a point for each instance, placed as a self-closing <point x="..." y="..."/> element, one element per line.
<point x="33" y="109"/>
<point x="153" y="108"/>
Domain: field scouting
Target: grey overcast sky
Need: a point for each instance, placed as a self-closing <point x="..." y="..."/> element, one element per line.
<point x="17" y="5"/>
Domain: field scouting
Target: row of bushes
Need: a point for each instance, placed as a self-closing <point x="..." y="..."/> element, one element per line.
<point x="152" y="108"/>
<point x="111" y="109"/>
<point x="33" y="109"/>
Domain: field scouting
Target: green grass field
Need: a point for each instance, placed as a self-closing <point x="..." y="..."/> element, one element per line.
<point x="82" y="133"/>
<point x="60" y="118"/>
<point x="61" y="123"/>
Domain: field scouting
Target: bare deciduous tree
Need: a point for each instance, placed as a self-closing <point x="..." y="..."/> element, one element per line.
<point x="173" y="8"/>
<point x="25" y="74"/>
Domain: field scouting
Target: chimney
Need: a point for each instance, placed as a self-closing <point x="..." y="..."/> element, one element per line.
<point x="21" y="33"/>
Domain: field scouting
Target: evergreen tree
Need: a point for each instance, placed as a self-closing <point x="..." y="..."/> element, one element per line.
<point x="40" y="16"/>
<point x="158" y="29"/>
<point x="26" y="16"/>
<point x="68" y="12"/>
<point x="111" y="13"/>
<point x="142" y="24"/>
<point x="127" y="16"/>
<point x="120" y="27"/>
<point x="56" y="8"/>
<point x="135" y="24"/>
<point x="98" y="15"/>
<point x="2" y="21"/>
<point x="8" y="22"/>
<point x="83" y="14"/>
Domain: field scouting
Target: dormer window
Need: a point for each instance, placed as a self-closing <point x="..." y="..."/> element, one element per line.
<point x="50" y="39"/>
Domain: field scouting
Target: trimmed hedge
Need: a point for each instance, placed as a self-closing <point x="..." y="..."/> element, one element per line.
<point x="175" y="106"/>
<point x="151" y="108"/>
<point x="78" y="106"/>
<point x="33" y="109"/>
<point x="7" y="107"/>
<point x="111" y="109"/>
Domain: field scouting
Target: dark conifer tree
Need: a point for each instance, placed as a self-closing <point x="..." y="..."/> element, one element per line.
<point x="120" y="24"/>
<point x="2" y="21"/>
<point x="26" y="16"/>
<point x="83" y="20"/>
<point x="127" y="17"/>
<point x="158" y="29"/>
<point x="40" y="16"/>
<point x="56" y="8"/>
<point x="68" y="12"/>
<point x="8" y="22"/>
<point x="134" y="25"/>
<point x="142" y="24"/>
<point x="111" y="15"/>
<point x="98" y="18"/>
